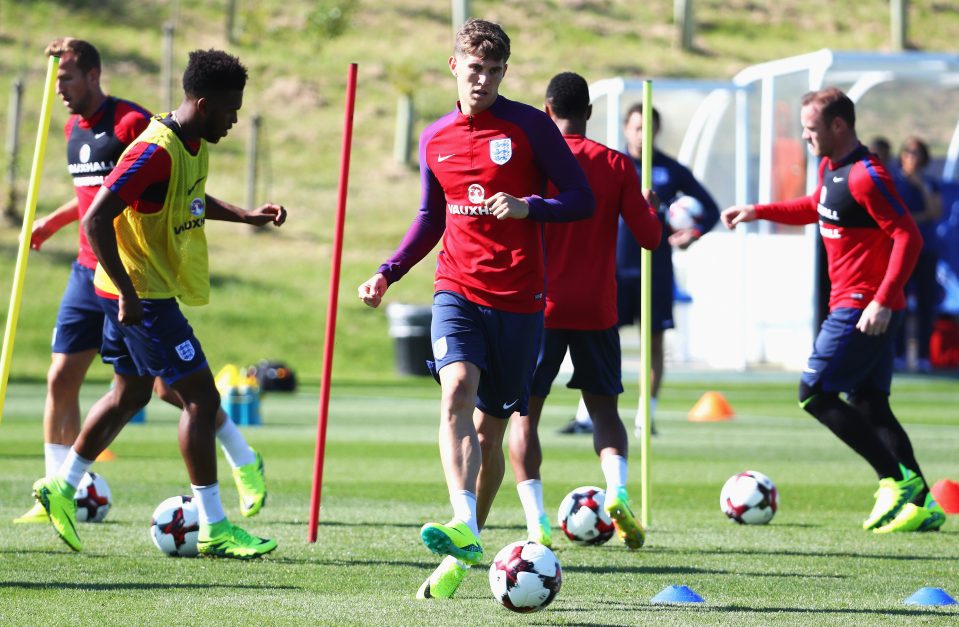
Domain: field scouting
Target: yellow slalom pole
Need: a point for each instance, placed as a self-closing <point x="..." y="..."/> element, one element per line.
<point x="645" y="308"/>
<point x="19" y="274"/>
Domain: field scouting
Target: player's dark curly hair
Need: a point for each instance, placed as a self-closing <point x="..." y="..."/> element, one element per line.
<point x="568" y="95"/>
<point x="211" y="71"/>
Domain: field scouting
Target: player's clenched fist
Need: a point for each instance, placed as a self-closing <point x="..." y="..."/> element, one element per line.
<point x="504" y="206"/>
<point x="372" y="291"/>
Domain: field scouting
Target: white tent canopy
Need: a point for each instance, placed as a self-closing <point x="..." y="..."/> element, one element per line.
<point x="753" y="291"/>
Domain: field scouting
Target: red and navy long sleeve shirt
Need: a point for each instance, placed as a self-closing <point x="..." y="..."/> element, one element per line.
<point x="464" y="159"/>
<point x="871" y="240"/>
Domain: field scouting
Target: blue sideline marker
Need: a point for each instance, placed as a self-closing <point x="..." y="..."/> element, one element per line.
<point x="930" y="596"/>
<point x="678" y="594"/>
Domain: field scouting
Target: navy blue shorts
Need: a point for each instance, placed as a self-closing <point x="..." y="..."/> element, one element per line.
<point x="80" y="318"/>
<point x="597" y="361"/>
<point x="845" y="359"/>
<point x="501" y="344"/>
<point x="661" y="307"/>
<point x="163" y="345"/>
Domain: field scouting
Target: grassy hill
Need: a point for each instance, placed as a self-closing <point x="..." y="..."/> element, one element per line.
<point x="270" y="288"/>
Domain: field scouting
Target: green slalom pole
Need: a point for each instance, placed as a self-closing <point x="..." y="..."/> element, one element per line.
<point x="645" y="308"/>
<point x="19" y="274"/>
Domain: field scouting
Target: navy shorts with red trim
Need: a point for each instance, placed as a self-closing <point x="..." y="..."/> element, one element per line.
<point x="79" y="318"/>
<point x="163" y="345"/>
<point x="845" y="359"/>
<point x="503" y="345"/>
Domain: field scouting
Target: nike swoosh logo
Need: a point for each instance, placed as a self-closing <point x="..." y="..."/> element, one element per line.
<point x="99" y="135"/>
<point x="509" y="406"/>
<point x="442" y="158"/>
<point x="837" y="179"/>
<point x="193" y="187"/>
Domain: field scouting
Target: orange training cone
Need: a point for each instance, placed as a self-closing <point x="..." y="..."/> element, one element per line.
<point x="106" y="456"/>
<point x="946" y="493"/>
<point x="711" y="407"/>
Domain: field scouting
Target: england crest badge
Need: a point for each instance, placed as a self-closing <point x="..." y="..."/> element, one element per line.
<point x="500" y="150"/>
<point x="186" y="351"/>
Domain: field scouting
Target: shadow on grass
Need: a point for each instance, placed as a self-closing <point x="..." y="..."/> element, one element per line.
<point x="336" y="523"/>
<point x="706" y="608"/>
<point x="146" y="585"/>
<point x="807" y="610"/>
<point x="787" y="553"/>
<point x="685" y="570"/>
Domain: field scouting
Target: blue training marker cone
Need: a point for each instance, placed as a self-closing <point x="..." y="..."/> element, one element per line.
<point x="678" y="594"/>
<point x="930" y="596"/>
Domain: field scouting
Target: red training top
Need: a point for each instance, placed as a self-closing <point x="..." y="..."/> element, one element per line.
<point x="871" y="240"/>
<point x="465" y="159"/>
<point x="93" y="147"/>
<point x="581" y="256"/>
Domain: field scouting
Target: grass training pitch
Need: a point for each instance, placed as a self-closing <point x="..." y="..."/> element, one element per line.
<point x="812" y="565"/>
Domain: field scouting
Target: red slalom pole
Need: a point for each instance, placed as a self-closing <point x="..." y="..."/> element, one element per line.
<point x="331" y="305"/>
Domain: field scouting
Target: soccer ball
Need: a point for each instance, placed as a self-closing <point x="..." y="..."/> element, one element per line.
<point x="525" y="576"/>
<point x="93" y="498"/>
<point x="583" y="518"/>
<point x="175" y="526"/>
<point x="749" y="498"/>
<point x="684" y="212"/>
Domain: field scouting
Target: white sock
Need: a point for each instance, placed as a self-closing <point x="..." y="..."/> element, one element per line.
<point x="639" y="413"/>
<point x="235" y="448"/>
<point x="614" y="469"/>
<point x="582" y="414"/>
<point x="464" y="508"/>
<point x="73" y="468"/>
<point x="531" y="497"/>
<point x="53" y="456"/>
<point x="208" y="504"/>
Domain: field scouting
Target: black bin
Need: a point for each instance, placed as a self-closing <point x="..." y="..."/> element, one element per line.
<point x="410" y="329"/>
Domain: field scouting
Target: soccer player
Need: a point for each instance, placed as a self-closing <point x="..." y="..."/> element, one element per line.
<point x="871" y="244"/>
<point x="484" y="169"/>
<point x="146" y="228"/>
<point x="98" y="129"/>
<point x="581" y="314"/>
<point x="670" y="180"/>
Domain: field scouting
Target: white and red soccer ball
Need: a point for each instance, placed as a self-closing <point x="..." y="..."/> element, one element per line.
<point x="93" y="498"/>
<point x="749" y="498"/>
<point x="583" y="518"/>
<point x="175" y="526"/>
<point x="684" y="212"/>
<point x="525" y="576"/>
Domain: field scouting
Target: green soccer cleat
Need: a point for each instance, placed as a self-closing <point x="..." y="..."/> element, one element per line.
<point x="56" y="498"/>
<point x="224" y="539"/>
<point x="251" y="485"/>
<point x="541" y="532"/>
<point x="631" y="532"/>
<point x="35" y="514"/>
<point x="892" y="496"/>
<point x="444" y="581"/>
<point x="929" y="517"/>
<point x="454" y="538"/>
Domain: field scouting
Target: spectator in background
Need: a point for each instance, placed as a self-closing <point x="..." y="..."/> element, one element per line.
<point x="670" y="180"/>
<point x="920" y="193"/>
<point x="881" y="147"/>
